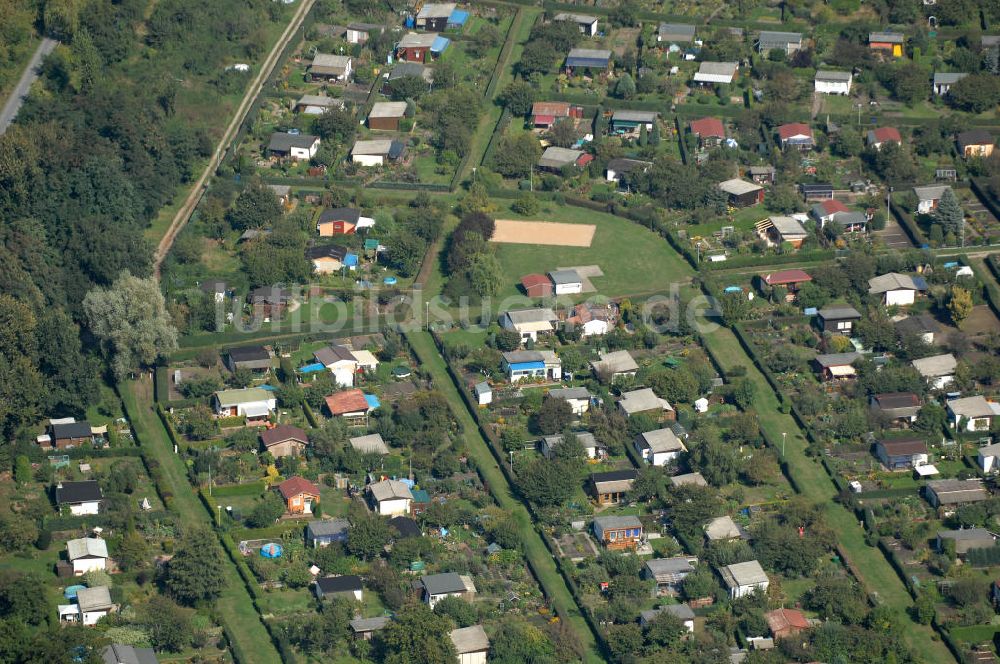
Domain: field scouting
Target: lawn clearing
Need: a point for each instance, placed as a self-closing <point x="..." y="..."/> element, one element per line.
<point x="543" y="232"/>
<point x="635" y="261"/>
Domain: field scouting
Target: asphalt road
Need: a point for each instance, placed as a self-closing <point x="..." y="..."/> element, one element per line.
<point x="28" y="76"/>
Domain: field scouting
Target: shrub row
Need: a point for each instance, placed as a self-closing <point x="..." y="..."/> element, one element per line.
<point x="231" y="490"/>
<point x="161" y="385"/>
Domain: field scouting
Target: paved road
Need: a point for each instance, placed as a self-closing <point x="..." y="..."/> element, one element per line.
<point x="28" y="76"/>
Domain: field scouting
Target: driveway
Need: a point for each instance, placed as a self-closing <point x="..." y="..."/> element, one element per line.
<point x="28" y="76"/>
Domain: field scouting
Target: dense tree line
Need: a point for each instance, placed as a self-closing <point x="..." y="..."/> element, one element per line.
<point x="93" y="157"/>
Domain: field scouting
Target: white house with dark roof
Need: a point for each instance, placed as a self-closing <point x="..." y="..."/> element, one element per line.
<point x="578" y="398"/>
<point x="938" y="370"/>
<point x="93" y="604"/>
<point x="437" y="587"/>
<point x="896" y="289"/>
<point x="471" y="644"/>
<point x="339" y="361"/>
<point x="713" y="73"/>
<point x="348" y="585"/>
<point x="973" y="413"/>
<point x="833" y="82"/>
<point x="566" y="282"/>
<point x="529" y="323"/>
<point x="682" y="612"/>
<point x="586" y="439"/>
<point x="659" y="447"/>
<point x="944" y="80"/>
<point x="744" y="579"/>
<point x="645" y="401"/>
<point x="615" y="365"/>
<point x="284" y="145"/>
<point x="80" y="497"/>
<point x="390" y="498"/>
<point x="87" y="554"/>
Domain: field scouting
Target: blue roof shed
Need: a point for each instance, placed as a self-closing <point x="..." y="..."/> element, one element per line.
<point x="440" y="44"/>
<point x="458" y="18"/>
<point x="373" y="401"/>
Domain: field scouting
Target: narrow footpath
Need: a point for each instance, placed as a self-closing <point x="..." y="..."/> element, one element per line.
<point x="235" y="606"/>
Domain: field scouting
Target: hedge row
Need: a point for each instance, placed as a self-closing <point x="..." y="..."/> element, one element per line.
<point x="908" y="224"/>
<point x="105" y="453"/>
<point x="310" y="415"/>
<point x="231" y="490"/>
<point x="57" y="523"/>
<point x="161" y="385"/>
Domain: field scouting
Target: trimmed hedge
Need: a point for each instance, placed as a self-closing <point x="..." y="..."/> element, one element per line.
<point x="161" y="385"/>
<point x="908" y="224"/>
<point x="106" y="453"/>
<point x="231" y="490"/>
<point x="310" y="416"/>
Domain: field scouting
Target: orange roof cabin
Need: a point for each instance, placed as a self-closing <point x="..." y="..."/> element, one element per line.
<point x="352" y="405"/>
<point x="709" y="131"/>
<point x="536" y="285"/>
<point x="299" y="494"/>
<point x="284" y="440"/>
<point x="337" y="221"/>
<point x="786" y="622"/>
<point x="545" y="113"/>
<point x="887" y="41"/>
<point x="790" y="279"/>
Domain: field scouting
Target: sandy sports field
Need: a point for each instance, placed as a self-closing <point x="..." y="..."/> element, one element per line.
<point x="543" y="232"/>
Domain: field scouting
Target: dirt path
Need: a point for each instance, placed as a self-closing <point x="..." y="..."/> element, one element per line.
<point x="198" y="188"/>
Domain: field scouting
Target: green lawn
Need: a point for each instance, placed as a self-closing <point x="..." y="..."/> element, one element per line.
<point x="538" y="555"/>
<point x="235" y="607"/>
<point x="635" y="261"/>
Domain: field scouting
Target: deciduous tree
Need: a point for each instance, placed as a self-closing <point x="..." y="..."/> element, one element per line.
<point x="131" y="321"/>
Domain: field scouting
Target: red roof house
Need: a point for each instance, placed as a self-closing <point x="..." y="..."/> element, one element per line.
<point x="709" y="130"/>
<point x="545" y="113"/>
<point x="796" y="135"/>
<point x="347" y="403"/>
<point x="536" y="285"/>
<point x="876" y="137"/>
<point x="284" y="440"/>
<point x="300" y="495"/>
<point x="791" y="279"/>
<point x="786" y="622"/>
<point x="787" y="278"/>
